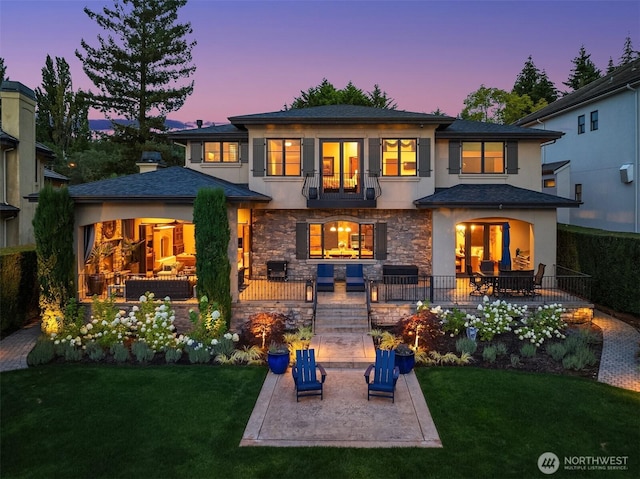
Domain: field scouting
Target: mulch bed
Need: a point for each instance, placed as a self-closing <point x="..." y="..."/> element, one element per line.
<point x="541" y="362"/>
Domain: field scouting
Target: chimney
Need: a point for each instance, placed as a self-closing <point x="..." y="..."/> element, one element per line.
<point x="199" y="123"/>
<point x="150" y="161"/>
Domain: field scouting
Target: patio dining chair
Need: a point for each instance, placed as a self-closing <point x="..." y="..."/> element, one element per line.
<point x="477" y="283"/>
<point x="537" y="280"/>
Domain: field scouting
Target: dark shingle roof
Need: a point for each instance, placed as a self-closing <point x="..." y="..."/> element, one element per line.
<point x="170" y="185"/>
<point x="498" y="196"/>
<point x="550" y="168"/>
<point x="618" y="79"/>
<point x="339" y="115"/>
<point x="227" y="131"/>
<point x="54" y="175"/>
<point x="7" y="139"/>
<point x="8" y="210"/>
<point x="476" y="129"/>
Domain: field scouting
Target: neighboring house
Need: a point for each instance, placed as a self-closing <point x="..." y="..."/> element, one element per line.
<point x="601" y="142"/>
<point x="22" y="166"/>
<point x="334" y="184"/>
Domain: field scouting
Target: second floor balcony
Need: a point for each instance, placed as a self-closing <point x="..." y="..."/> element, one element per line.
<point x="341" y="191"/>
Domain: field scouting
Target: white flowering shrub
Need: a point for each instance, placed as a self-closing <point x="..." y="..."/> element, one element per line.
<point x="493" y="318"/>
<point x="544" y="323"/>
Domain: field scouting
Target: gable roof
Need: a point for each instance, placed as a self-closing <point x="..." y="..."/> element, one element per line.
<point x="339" y="115"/>
<point x="170" y="185"/>
<point x="616" y="81"/>
<point x="498" y="196"/>
<point x="467" y="129"/>
<point x="54" y="175"/>
<point x="551" y="168"/>
<point x="226" y="131"/>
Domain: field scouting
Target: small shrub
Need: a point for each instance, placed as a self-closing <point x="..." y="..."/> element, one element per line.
<point x="490" y="353"/>
<point x="120" y="352"/>
<point x="515" y="361"/>
<point x="247" y="355"/>
<point x="72" y="353"/>
<point x="453" y="321"/>
<point x="389" y="341"/>
<point x="142" y="351"/>
<point x="528" y="350"/>
<point x="466" y="345"/>
<point x="501" y="348"/>
<point x="42" y="352"/>
<point x="556" y="351"/>
<point x="95" y="351"/>
<point x="172" y="355"/>
<point x="580" y="359"/>
<point x="198" y="354"/>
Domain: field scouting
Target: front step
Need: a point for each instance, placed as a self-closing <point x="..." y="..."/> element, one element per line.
<point x="341" y="318"/>
<point x="344" y="350"/>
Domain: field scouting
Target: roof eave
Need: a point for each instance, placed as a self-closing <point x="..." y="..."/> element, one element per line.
<point x="549" y="136"/>
<point x="498" y="206"/>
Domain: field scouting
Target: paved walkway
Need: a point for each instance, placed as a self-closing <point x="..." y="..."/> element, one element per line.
<point x="14" y="348"/>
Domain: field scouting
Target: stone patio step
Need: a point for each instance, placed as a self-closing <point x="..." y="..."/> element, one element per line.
<point x="344" y="350"/>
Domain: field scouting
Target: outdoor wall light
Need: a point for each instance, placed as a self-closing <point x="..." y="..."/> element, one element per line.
<point x="308" y="291"/>
<point x="373" y="292"/>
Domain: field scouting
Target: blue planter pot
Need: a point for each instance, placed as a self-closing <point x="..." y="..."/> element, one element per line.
<point x="278" y="362"/>
<point x="405" y="363"/>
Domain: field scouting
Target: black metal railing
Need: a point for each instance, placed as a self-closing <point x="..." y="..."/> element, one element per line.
<point x="317" y="188"/>
<point x="260" y="288"/>
<point x="562" y="288"/>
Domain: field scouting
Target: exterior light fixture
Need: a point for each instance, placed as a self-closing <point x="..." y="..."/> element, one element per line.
<point x="373" y="292"/>
<point x="308" y="291"/>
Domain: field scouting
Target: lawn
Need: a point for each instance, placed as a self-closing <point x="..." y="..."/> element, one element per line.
<point x="68" y="421"/>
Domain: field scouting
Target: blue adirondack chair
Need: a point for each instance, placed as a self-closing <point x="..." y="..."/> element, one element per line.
<point x="386" y="374"/>
<point x="354" y="277"/>
<point x="305" y="377"/>
<point x="324" y="277"/>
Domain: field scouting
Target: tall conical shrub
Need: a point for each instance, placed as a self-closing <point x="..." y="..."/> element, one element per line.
<point x="212" y="243"/>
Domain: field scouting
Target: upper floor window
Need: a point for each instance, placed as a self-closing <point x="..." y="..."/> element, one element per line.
<point x="483" y="157"/>
<point x="221" y="152"/>
<point x="399" y="157"/>
<point x="581" y="124"/>
<point x="283" y="157"/>
<point x="549" y="183"/>
<point x="578" y="192"/>
<point x="594" y="120"/>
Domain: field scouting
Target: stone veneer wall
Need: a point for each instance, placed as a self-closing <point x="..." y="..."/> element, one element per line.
<point x="298" y="314"/>
<point x="408" y="238"/>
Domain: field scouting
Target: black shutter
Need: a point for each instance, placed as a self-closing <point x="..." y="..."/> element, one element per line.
<point x="258" y="157"/>
<point x="454" y="157"/>
<point x="196" y="152"/>
<point x="244" y="152"/>
<point x="308" y="156"/>
<point x="424" y="157"/>
<point x="381" y="241"/>
<point x="301" y="240"/>
<point x="512" y="157"/>
<point x="374" y="156"/>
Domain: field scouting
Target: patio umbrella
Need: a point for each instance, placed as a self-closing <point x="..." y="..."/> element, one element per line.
<point x="505" y="262"/>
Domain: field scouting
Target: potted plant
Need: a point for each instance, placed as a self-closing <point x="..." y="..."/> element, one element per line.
<point x="95" y="280"/>
<point x="405" y="358"/>
<point x="278" y="358"/>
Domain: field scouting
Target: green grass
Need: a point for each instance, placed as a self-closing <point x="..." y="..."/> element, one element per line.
<point x="68" y="421"/>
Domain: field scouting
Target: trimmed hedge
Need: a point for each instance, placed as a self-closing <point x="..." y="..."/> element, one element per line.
<point x="611" y="258"/>
<point x="19" y="288"/>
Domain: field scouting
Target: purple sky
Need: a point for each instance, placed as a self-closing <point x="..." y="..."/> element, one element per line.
<point x="253" y="57"/>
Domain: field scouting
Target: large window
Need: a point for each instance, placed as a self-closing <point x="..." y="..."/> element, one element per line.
<point x="283" y="157"/>
<point x="341" y="240"/>
<point x="482" y="157"/>
<point x="399" y="157"/>
<point x="221" y="152"/>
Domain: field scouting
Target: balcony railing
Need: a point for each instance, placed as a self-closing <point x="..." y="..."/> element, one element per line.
<point x="293" y="288"/>
<point x="329" y="192"/>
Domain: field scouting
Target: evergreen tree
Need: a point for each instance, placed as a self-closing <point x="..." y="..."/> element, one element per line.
<point x="610" y="66"/>
<point x="212" y="244"/>
<point x="62" y="121"/>
<point x="53" y="225"/>
<point x="583" y="72"/>
<point x="628" y="53"/>
<point x="327" y="94"/>
<point x="139" y="66"/>
<point x="535" y="84"/>
<point x="3" y="71"/>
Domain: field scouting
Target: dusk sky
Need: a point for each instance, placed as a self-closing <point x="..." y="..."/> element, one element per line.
<point x="256" y="56"/>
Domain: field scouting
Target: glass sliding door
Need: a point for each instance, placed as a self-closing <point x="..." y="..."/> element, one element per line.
<point x="341" y="167"/>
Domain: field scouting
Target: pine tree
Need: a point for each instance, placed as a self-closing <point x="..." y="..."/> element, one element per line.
<point x="3" y="71"/>
<point x="628" y="53"/>
<point x="62" y="121"/>
<point x="138" y="67"/>
<point x="327" y="94"/>
<point x="212" y="244"/>
<point x="536" y="85"/>
<point x="610" y="66"/>
<point x="583" y="72"/>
